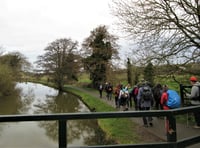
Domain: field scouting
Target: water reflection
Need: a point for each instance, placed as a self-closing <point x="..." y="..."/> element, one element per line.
<point x="36" y="99"/>
<point x="10" y="104"/>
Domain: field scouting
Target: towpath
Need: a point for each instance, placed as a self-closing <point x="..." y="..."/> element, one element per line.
<point x="184" y="130"/>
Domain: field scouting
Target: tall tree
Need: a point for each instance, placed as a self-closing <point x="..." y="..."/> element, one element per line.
<point x="17" y="63"/>
<point x="100" y="47"/>
<point x="60" y="61"/>
<point x="11" y="67"/>
<point x="129" y="72"/>
<point x="166" y="30"/>
<point x="149" y="73"/>
<point x="7" y="83"/>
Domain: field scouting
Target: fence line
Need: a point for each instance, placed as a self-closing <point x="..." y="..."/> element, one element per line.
<point x="62" y="118"/>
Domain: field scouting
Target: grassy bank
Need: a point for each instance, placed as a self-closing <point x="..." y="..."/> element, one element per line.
<point x="122" y="130"/>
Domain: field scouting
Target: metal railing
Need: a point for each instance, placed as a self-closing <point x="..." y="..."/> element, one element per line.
<point x="183" y="90"/>
<point x="62" y="119"/>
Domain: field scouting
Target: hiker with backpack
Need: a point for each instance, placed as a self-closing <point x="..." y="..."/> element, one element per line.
<point x="129" y="100"/>
<point x="173" y="99"/>
<point x="170" y="99"/>
<point x="123" y="98"/>
<point x="194" y="96"/>
<point x="109" y="91"/>
<point x="157" y="92"/>
<point x="116" y="94"/>
<point x="163" y="102"/>
<point x="134" y="94"/>
<point x="145" y="102"/>
<point x="100" y="88"/>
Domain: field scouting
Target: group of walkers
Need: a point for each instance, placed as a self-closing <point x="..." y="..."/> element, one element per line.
<point x="144" y="96"/>
<point x="126" y="97"/>
<point x="141" y="97"/>
<point x="121" y="94"/>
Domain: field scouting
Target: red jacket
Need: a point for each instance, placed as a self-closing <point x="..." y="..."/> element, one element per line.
<point x="163" y="101"/>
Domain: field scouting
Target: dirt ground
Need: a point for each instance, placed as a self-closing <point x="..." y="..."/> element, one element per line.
<point x="147" y="137"/>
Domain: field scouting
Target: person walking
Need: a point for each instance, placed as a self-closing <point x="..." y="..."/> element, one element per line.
<point x="116" y="93"/>
<point x="106" y="89"/>
<point x="194" y="97"/>
<point x="123" y="98"/>
<point x="163" y="102"/>
<point x="100" y="90"/>
<point x="129" y="100"/>
<point x="157" y="92"/>
<point x="134" y="94"/>
<point x="145" y="102"/>
<point x="109" y="91"/>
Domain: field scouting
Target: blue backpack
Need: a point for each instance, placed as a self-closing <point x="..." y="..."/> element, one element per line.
<point x="174" y="100"/>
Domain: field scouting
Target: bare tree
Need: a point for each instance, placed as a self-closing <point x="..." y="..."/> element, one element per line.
<point x="59" y="60"/>
<point x="164" y="30"/>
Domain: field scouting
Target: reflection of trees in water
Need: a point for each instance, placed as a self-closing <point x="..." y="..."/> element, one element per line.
<point x="26" y="100"/>
<point x="80" y="129"/>
<point x="63" y="103"/>
<point x="90" y="132"/>
<point x="76" y="129"/>
<point x="51" y="129"/>
<point x="10" y="104"/>
<point x="66" y="102"/>
<point x="87" y="130"/>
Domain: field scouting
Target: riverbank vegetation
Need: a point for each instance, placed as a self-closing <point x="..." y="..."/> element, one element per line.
<point x="11" y="65"/>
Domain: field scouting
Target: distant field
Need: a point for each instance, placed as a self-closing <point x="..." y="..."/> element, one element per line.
<point x="122" y="77"/>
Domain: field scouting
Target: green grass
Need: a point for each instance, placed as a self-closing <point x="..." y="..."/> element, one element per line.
<point x="185" y="118"/>
<point x="122" y="130"/>
<point x="182" y="79"/>
<point x="84" y="78"/>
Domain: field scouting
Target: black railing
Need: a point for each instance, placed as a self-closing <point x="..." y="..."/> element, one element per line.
<point x="62" y="118"/>
<point x="183" y="91"/>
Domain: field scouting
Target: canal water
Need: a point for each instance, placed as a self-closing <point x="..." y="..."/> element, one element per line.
<point x="39" y="99"/>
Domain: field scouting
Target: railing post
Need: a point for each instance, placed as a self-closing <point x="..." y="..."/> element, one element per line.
<point x="62" y="136"/>
<point x="182" y="94"/>
<point x="171" y="134"/>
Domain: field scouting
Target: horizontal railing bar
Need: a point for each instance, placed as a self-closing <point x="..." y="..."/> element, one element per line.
<point x="184" y="110"/>
<point x="188" y="141"/>
<point x="99" y="115"/>
<point x="96" y="115"/>
<point x="74" y="116"/>
<point x="149" y="145"/>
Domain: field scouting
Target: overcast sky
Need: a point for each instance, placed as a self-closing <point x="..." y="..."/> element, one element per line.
<point x="28" y="26"/>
